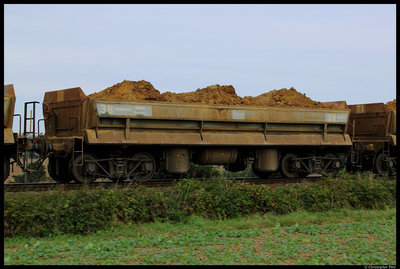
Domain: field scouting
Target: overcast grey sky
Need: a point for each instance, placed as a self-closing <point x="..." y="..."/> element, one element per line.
<point x="328" y="52"/>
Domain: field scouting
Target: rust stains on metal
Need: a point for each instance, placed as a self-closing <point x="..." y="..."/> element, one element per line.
<point x="64" y="95"/>
<point x="9" y="90"/>
<point x="337" y="104"/>
<point x="63" y="110"/>
<point x="372" y="122"/>
<point x="9" y="106"/>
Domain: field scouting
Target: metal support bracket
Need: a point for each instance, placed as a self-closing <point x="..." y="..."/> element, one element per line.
<point x="265" y="131"/>
<point x="127" y="128"/>
<point x="325" y="132"/>
<point x="201" y="129"/>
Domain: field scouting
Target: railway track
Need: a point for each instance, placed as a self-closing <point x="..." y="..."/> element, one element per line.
<point x="48" y="186"/>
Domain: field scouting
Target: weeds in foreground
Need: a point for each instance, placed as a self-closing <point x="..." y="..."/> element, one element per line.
<point x="355" y="237"/>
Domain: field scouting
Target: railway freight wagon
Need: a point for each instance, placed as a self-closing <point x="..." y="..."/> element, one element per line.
<point x="15" y="144"/>
<point x="96" y="138"/>
<point x="10" y="141"/>
<point x="373" y="131"/>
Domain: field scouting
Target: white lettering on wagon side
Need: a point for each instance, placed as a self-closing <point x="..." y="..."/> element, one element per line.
<point x="336" y="117"/>
<point x="238" y="114"/>
<point x="124" y="110"/>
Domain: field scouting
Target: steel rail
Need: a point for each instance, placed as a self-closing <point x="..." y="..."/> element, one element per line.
<point x="48" y="186"/>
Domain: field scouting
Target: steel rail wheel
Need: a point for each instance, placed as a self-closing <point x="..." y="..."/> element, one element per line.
<point x="63" y="174"/>
<point x="383" y="164"/>
<point x="141" y="167"/>
<point x="84" y="169"/>
<point x="289" y="166"/>
<point x="330" y="165"/>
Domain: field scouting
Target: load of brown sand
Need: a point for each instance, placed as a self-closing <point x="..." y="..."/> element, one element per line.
<point x="214" y="94"/>
<point x="129" y="91"/>
<point x="285" y="98"/>
<point x="391" y="105"/>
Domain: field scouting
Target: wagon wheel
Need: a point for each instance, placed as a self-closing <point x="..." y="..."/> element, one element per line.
<point x="383" y="165"/>
<point x="63" y="173"/>
<point x="84" y="171"/>
<point x="141" y="167"/>
<point x="330" y="165"/>
<point x="289" y="167"/>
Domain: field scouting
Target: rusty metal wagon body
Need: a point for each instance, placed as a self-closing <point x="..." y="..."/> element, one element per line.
<point x="10" y="141"/>
<point x="91" y="138"/>
<point x="372" y="128"/>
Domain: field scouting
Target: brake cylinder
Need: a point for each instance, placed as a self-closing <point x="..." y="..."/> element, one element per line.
<point x="266" y="160"/>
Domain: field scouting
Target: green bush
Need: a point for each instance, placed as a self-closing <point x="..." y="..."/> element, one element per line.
<point x="86" y="211"/>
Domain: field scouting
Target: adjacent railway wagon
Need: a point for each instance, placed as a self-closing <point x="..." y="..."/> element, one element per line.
<point x="10" y="140"/>
<point x="90" y="138"/>
<point x="373" y="131"/>
<point x="17" y="144"/>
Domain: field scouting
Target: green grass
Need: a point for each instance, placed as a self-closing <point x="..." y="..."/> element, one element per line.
<point x="333" y="237"/>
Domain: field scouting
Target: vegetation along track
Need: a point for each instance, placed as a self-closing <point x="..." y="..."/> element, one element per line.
<point x="46" y="186"/>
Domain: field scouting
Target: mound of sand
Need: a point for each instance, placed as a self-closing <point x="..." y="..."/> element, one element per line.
<point x="129" y="91"/>
<point x="391" y="105"/>
<point x="214" y="94"/>
<point x="284" y="98"/>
